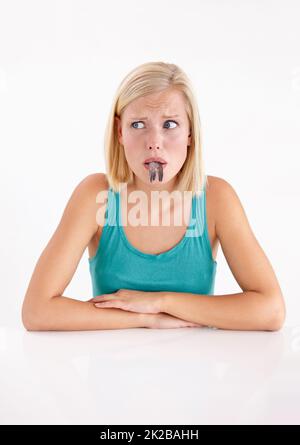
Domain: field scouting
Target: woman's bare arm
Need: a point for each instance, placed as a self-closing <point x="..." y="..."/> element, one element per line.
<point x="67" y="314"/>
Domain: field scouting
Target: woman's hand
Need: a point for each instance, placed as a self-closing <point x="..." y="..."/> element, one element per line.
<point x="131" y="300"/>
<point x="145" y="303"/>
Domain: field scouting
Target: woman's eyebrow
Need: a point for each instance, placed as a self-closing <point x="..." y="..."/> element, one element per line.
<point x="173" y="115"/>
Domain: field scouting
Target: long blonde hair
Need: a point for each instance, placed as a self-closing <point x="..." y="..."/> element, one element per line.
<point x="146" y="79"/>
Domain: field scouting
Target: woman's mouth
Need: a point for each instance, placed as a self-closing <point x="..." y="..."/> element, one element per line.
<point x="146" y="164"/>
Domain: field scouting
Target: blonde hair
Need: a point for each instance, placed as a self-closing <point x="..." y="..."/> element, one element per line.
<point x="146" y="79"/>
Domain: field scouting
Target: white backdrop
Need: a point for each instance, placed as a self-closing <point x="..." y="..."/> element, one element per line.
<point x="60" y="64"/>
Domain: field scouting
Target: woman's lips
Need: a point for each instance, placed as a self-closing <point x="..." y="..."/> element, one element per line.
<point x="147" y="165"/>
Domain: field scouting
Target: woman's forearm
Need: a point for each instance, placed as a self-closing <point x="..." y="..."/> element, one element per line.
<point x="247" y="310"/>
<point x="67" y="314"/>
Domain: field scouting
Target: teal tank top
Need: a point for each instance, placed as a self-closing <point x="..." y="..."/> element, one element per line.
<point x="187" y="267"/>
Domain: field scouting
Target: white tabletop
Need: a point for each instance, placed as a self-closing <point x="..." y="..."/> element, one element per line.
<point x="150" y="376"/>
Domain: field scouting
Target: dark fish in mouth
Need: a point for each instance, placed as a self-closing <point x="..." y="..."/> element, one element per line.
<point x="155" y="167"/>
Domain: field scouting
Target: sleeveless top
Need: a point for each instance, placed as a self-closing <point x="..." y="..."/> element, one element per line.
<point x="187" y="267"/>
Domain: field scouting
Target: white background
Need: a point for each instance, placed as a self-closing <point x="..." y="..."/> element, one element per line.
<point x="60" y="64"/>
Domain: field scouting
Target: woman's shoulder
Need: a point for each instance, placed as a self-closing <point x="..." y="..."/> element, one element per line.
<point x="217" y="190"/>
<point x="215" y="187"/>
<point x="215" y="183"/>
<point x="223" y="200"/>
<point x="95" y="180"/>
<point x="89" y="191"/>
<point x="94" y="183"/>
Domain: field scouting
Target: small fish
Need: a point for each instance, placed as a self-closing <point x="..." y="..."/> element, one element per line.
<point x="160" y="173"/>
<point x="155" y="167"/>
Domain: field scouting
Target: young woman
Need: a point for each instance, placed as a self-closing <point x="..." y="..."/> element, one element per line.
<point x="145" y="274"/>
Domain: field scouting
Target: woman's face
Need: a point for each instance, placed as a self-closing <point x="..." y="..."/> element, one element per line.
<point x="155" y="125"/>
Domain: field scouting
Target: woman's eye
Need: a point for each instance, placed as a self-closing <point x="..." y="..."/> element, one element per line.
<point x="173" y="123"/>
<point x="133" y="123"/>
<point x="141" y="122"/>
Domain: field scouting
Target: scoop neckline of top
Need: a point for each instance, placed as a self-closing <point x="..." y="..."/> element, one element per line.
<point x="169" y="252"/>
